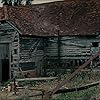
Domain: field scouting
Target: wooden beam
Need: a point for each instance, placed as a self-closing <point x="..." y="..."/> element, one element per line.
<point x="37" y="79"/>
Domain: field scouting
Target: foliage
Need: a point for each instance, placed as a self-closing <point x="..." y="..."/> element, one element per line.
<point x="16" y="2"/>
<point x="28" y="2"/>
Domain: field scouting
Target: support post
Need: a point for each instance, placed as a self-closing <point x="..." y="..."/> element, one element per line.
<point x="44" y="60"/>
<point x="14" y="86"/>
<point x="58" y="47"/>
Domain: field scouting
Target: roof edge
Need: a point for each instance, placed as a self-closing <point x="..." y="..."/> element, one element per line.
<point x="14" y="27"/>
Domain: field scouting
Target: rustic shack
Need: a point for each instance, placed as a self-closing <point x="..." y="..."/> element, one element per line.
<point x="48" y="37"/>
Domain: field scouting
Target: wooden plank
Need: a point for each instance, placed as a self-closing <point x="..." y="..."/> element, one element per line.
<point x="27" y="71"/>
<point x="37" y="79"/>
<point x="69" y="57"/>
<point x="68" y="54"/>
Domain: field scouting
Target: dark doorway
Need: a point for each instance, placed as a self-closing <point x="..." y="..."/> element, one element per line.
<point x="4" y="62"/>
<point x="5" y="70"/>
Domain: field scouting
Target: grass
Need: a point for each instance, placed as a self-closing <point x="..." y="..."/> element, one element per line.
<point x="87" y="94"/>
<point x="83" y="78"/>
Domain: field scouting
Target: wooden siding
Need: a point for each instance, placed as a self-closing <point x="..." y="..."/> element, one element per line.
<point x="44" y="51"/>
<point x="9" y="35"/>
<point x="31" y="53"/>
<point x="6" y="33"/>
<point x="71" y="47"/>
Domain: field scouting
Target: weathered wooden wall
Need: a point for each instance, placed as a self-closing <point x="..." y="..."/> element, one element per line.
<point x="31" y="53"/>
<point x="46" y="54"/>
<point x="9" y="35"/>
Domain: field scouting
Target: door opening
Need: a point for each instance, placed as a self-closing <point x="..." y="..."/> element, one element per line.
<point x="4" y="62"/>
<point x="5" y="70"/>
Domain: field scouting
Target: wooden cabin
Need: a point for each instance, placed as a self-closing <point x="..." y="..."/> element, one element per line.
<point x="48" y="37"/>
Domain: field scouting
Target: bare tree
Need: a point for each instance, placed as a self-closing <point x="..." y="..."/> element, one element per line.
<point x="16" y="2"/>
<point x="5" y="2"/>
<point x="29" y="2"/>
<point x="10" y="2"/>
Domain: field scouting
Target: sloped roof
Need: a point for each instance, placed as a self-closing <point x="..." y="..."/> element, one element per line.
<point x="1" y="13"/>
<point x="70" y="17"/>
